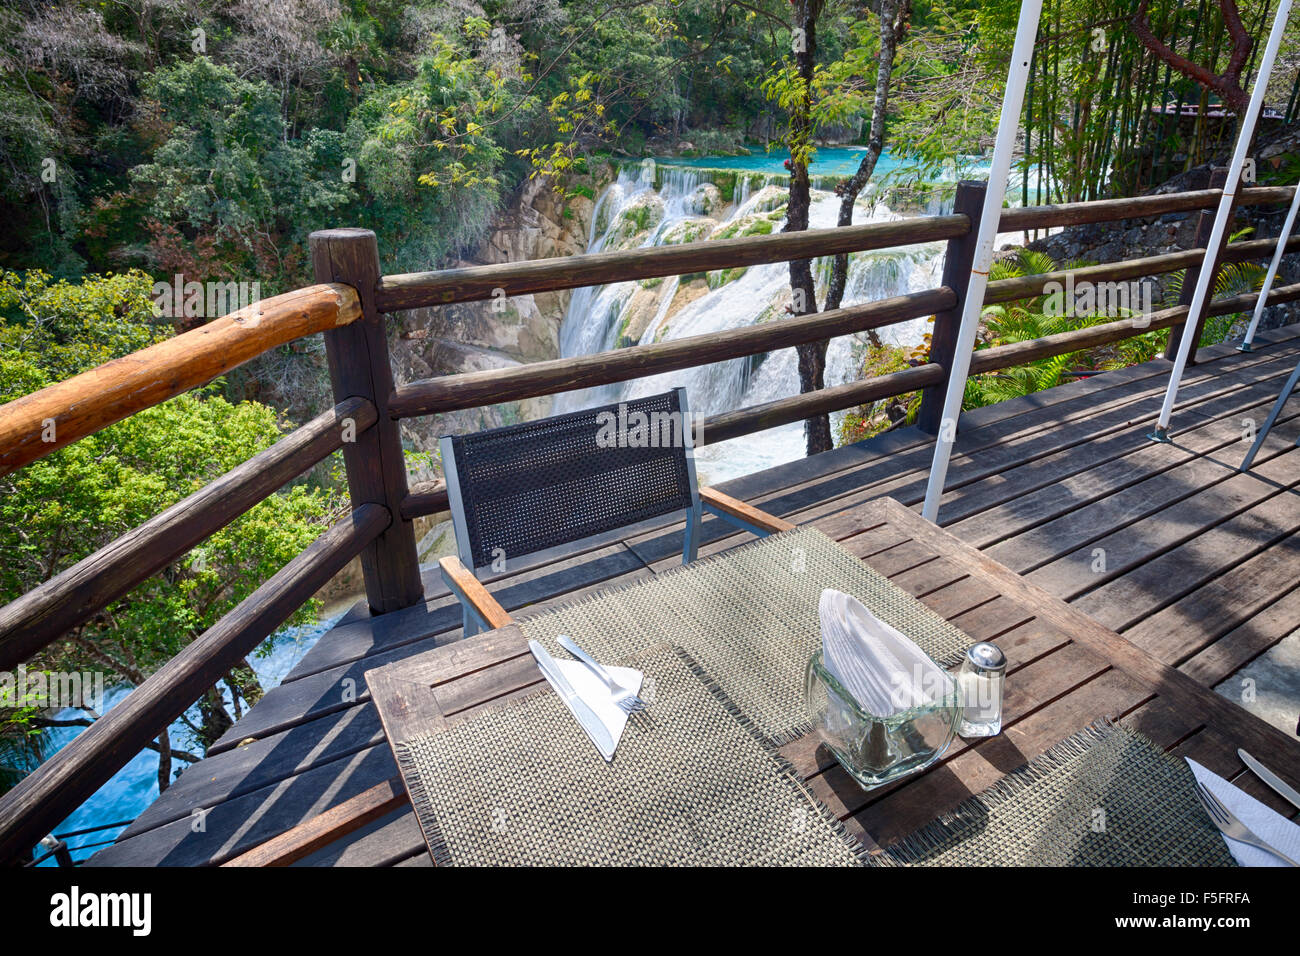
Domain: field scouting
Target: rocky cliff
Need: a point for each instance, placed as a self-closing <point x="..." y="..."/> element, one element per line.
<point x="537" y="223"/>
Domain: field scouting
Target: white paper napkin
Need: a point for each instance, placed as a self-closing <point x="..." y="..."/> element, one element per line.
<point x="1267" y="824"/>
<point x="597" y="696"/>
<point x="876" y="663"/>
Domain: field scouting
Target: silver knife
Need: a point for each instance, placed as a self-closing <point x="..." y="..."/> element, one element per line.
<point x="585" y="716"/>
<point x="1287" y="792"/>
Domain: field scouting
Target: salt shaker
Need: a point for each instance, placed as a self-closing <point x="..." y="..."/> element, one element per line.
<point x="979" y="682"/>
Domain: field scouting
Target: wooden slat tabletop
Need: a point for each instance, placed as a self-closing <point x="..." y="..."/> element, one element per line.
<point x="1065" y="671"/>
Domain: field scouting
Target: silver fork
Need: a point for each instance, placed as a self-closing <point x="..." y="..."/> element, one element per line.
<point x="1225" y="820"/>
<point x="627" y="701"/>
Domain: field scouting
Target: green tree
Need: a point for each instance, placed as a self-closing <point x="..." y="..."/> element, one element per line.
<point x="794" y="89"/>
<point x="816" y="96"/>
<point x="429" y="157"/>
<point x="65" y="506"/>
<point x="229" y="194"/>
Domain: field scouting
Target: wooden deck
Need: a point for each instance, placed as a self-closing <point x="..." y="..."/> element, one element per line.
<point x="1167" y="544"/>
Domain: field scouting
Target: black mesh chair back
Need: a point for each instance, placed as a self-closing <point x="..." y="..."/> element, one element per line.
<point x="524" y="488"/>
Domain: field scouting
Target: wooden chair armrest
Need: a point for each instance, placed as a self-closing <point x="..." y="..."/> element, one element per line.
<point x="739" y="513"/>
<point x="335" y="823"/>
<point x="471" y="592"/>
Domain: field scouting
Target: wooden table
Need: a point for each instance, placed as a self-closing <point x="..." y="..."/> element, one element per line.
<point x="1064" y="670"/>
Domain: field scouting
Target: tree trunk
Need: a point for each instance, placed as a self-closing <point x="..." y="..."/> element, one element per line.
<point x="244" y="685"/>
<point x="891" y="14"/>
<point x="164" y="761"/>
<point x="1228" y="83"/>
<point x="812" y="358"/>
<point x="214" y="720"/>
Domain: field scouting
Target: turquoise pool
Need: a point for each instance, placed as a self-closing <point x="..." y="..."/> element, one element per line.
<point x="828" y="161"/>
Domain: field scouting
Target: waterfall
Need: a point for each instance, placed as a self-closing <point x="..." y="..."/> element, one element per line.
<point x="648" y="207"/>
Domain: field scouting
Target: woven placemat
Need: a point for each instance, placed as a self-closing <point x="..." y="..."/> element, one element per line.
<point x="690" y="785"/>
<point x="1105" y="797"/>
<point x="750" y="617"/>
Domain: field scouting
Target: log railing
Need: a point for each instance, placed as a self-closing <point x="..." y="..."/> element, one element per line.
<point x="37" y="424"/>
<point x="471" y="389"/>
<point x="72" y="596"/>
<point x="349" y="306"/>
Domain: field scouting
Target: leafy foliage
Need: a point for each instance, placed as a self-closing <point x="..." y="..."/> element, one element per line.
<point x="66" y="505"/>
<point x="1031" y="319"/>
<point x="228" y="182"/>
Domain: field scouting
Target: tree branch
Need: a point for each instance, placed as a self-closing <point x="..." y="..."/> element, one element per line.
<point x="1227" y="84"/>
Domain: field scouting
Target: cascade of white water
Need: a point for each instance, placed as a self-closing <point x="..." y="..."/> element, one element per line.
<point x="593" y="320"/>
<point x="586" y="321"/>
<point x="745" y="183"/>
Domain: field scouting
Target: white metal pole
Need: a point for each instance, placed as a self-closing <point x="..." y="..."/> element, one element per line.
<point x="972" y="307"/>
<point x="1244" y="136"/>
<point x="1245" y="345"/>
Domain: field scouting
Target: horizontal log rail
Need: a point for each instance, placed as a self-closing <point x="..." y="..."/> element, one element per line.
<point x="453" y="392"/>
<point x="87" y="587"/>
<point x="744" y="421"/>
<point x="1024" y="218"/>
<point x="783" y="411"/>
<point x="1025" y="287"/>
<point x="475" y="283"/>
<point x="472" y="389"/>
<point x="61" y="784"/>
<point x="430" y="497"/>
<point x="1019" y="353"/>
<point x="86" y="403"/>
<point x="425" y="498"/>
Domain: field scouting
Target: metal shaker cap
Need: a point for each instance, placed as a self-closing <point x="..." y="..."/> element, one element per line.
<point x="987" y="657"/>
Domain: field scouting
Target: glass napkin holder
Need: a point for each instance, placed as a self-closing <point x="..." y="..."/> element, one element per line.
<point x="877" y="750"/>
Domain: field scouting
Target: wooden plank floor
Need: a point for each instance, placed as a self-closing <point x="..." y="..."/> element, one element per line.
<point x="1167" y="544"/>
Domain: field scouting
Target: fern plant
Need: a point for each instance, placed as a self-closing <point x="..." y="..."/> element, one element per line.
<point x="1023" y="321"/>
<point x="1026" y="320"/>
<point x="1233" y="278"/>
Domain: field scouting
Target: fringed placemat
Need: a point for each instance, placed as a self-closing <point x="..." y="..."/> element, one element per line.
<point x="1105" y="797"/>
<point x="750" y="617"/>
<point x="691" y="785"/>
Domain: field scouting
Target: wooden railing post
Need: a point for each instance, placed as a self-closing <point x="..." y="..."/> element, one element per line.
<point x="956" y="276"/>
<point x="1204" y="226"/>
<point x="359" y="366"/>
